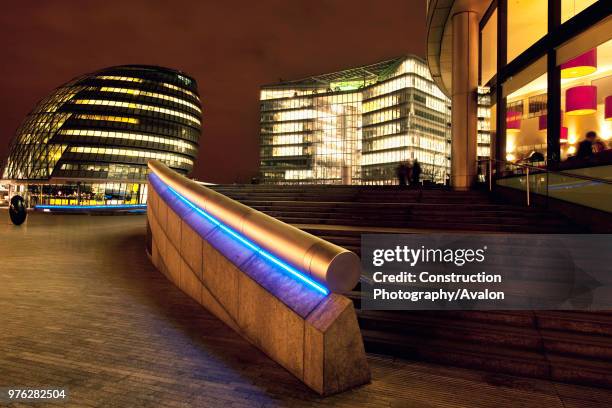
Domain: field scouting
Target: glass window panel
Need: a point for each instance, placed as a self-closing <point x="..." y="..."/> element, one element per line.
<point x="526" y="24"/>
<point x="488" y="51"/>
<point x="583" y="102"/>
<point x="570" y="8"/>
<point x="525" y="138"/>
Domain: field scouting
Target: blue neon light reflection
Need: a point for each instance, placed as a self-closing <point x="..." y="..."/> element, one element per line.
<point x="90" y="207"/>
<point x="286" y="267"/>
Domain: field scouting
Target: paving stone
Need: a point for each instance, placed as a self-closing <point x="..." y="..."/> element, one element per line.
<point x="82" y="307"/>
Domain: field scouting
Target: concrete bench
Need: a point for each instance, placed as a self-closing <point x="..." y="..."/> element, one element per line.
<point x="270" y="282"/>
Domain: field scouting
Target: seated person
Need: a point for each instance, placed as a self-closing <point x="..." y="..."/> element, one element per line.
<point x="535" y="157"/>
<point x="585" y="148"/>
<point x="599" y="145"/>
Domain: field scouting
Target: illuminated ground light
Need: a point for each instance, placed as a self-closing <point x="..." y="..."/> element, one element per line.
<point x="142" y="207"/>
<point x="290" y="270"/>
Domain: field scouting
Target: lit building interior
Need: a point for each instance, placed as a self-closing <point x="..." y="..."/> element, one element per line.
<point x="355" y="126"/>
<point x="547" y="66"/>
<point x="584" y="91"/>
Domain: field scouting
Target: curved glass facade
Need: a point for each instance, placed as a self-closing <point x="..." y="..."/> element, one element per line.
<point x="89" y="141"/>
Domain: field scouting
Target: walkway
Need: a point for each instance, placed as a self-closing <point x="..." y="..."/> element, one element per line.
<point x="82" y="308"/>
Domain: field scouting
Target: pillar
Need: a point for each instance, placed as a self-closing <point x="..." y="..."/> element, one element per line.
<point x="464" y="100"/>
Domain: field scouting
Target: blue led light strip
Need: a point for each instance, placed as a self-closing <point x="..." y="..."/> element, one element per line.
<point x="91" y="207"/>
<point x="286" y="267"/>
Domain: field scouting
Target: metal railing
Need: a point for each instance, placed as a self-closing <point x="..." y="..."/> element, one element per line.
<point x="331" y="265"/>
<point x="595" y="192"/>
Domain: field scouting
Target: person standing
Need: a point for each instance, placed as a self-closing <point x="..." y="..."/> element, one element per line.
<point x="416" y="173"/>
<point x="402" y="174"/>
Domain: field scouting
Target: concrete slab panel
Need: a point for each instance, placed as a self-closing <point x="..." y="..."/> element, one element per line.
<point x="212" y="305"/>
<point x="271" y="326"/>
<point x="334" y="356"/>
<point x="152" y="201"/>
<point x="173" y="263"/>
<point x="191" y="248"/>
<point x="162" y="214"/>
<point x="173" y="229"/>
<point x="298" y="296"/>
<point x="221" y="278"/>
<point x="234" y="250"/>
<point x="199" y="224"/>
<point x="190" y="283"/>
<point x="155" y="258"/>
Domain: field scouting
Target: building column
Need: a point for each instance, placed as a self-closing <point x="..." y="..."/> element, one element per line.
<point x="464" y="140"/>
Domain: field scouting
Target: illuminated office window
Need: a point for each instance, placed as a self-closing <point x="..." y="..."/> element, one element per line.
<point x="151" y="95"/>
<point x="165" y="157"/>
<point x="178" y="144"/>
<point x="176" y="88"/>
<point x="109" y="118"/>
<point x="121" y="78"/>
<point x="130" y="105"/>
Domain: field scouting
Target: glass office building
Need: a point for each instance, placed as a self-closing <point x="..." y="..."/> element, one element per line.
<point x="355" y="126"/>
<point x="548" y="68"/>
<point x="88" y="142"/>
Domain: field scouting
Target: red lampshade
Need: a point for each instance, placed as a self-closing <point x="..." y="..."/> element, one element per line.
<point x="563" y="135"/>
<point x="608" y="115"/>
<point x="584" y="64"/>
<point x="581" y="100"/>
<point x="513" y="121"/>
<point x="543" y="121"/>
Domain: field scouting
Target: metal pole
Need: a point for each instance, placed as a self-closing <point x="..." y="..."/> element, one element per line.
<point x="490" y="175"/>
<point x="527" y="186"/>
<point x="547" y="179"/>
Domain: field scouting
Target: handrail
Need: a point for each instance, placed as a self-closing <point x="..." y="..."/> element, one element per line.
<point x="331" y="265"/>
<point x="544" y="170"/>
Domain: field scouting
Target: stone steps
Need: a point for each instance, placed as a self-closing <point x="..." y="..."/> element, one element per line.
<point x="530" y="336"/>
<point x="425" y="209"/>
<point x="566" y="346"/>
<point x="490" y="358"/>
<point x="433" y="224"/>
<point x="399" y="218"/>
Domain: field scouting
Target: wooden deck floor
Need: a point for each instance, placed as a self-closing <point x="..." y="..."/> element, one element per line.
<point x="82" y="308"/>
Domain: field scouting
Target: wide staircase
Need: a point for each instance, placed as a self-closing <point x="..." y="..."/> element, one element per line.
<point x="561" y="345"/>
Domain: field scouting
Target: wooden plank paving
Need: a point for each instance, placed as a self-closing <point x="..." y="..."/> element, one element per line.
<point x="82" y="308"/>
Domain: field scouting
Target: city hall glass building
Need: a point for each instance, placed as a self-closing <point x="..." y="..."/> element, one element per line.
<point x="355" y="126"/>
<point x="88" y="142"/>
